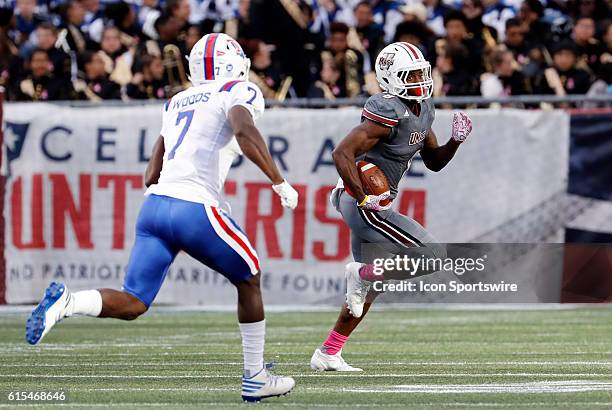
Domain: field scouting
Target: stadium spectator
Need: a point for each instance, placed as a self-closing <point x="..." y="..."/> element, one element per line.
<point x="94" y="19"/>
<point x="41" y="84"/>
<point x="370" y="33"/>
<point x="149" y="84"/>
<point x="180" y="10"/>
<point x="496" y="15"/>
<point x="348" y="60"/>
<point x="457" y="33"/>
<point x="194" y="33"/>
<point x="436" y="10"/>
<point x="605" y="59"/>
<point x="10" y="62"/>
<point x="123" y="16"/>
<point x="73" y="17"/>
<point x="329" y="85"/>
<point x="414" y="12"/>
<point x="485" y="36"/>
<point x="296" y="48"/>
<point x="26" y="20"/>
<point x="450" y="75"/>
<point x="111" y="42"/>
<point x="96" y="84"/>
<point x="245" y="31"/>
<point x="537" y="31"/>
<point x="564" y="77"/>
<point x="588" y="48"/>
<point x="148" y="13"/>
<point x="46" y="37"/>
<point x="515" y="41"/>
<point x="504" y="80"/>
<point x="168" y="30"/>
<point x="598" y="10"/>
<point x="117" y="57"/>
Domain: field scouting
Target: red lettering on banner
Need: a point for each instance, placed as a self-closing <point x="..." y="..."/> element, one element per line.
<point x="344" y="234"/>
<point x="119" y="202"/>
<point x="63" y="203"/>
<point x="412" y="204"/>
<point x="37" y="210"/>
<point x="299" y="224"/>
<point x="253" y="218"/>
<point x="230" y="187"/>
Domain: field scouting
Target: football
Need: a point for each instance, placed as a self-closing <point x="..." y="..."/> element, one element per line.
<point x="373" y="180"/>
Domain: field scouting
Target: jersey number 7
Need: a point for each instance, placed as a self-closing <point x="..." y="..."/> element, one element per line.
<point x="189" y="116"/>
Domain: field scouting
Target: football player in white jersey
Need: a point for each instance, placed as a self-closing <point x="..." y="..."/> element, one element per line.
<point x="203" y="129"/>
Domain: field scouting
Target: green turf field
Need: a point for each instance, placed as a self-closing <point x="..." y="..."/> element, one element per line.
<point x="426" y="358"/>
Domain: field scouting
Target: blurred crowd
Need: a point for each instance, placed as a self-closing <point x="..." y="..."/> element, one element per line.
<point x="99" y="50"/>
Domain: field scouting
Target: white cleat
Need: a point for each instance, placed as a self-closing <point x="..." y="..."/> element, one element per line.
<point x="324" y="362"/>
<point x="264" y="385"/>
<point x="356" y="289"/>
<point x="50" y="310"/>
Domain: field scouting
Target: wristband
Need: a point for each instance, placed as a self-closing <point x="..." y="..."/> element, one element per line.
<point x="362" y="203"/>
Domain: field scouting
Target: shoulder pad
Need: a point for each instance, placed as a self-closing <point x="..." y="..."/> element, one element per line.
<point x="384" y="109"/>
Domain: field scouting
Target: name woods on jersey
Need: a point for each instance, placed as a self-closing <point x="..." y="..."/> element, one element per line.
<point x="203" y="129"/>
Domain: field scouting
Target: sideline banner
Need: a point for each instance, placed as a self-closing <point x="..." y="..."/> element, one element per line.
<point x="74" y="188"/>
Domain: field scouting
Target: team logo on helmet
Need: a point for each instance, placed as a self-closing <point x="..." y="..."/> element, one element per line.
<point x="236" y="45"/>
<point x="386" y="61"/>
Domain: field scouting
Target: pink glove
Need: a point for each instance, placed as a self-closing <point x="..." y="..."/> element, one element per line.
<point x="462" y="126"/>
<point x="372" y="202"/>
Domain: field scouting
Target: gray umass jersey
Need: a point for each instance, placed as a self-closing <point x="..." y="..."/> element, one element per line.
<point x="394" y="154"/>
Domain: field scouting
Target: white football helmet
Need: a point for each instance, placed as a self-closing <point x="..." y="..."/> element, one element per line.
<point x="216" y="56"/>
<point x="393" y="66"/>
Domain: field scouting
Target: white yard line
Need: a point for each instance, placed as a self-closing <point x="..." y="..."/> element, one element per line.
<point x="278" y="403"/>
<point x="40" y="352"/>
<point x="380" y="307"/>
<point x="71" y="346"/>
<point x="310" y="374"/>
<point x="571" y="386"/>
<point x="166" y="363"/>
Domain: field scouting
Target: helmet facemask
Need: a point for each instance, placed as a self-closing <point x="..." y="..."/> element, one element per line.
<point x="244" y="75"/>
<point x="413" y="90"/>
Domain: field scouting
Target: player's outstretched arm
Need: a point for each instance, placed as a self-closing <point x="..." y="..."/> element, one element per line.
<point x="155" y="163"/>
<point x="436" y="157"/>
<point x="254" y="147"/>
<point x="360" y="140"/>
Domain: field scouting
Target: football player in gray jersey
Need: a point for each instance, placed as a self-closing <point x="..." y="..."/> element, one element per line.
<point x="396" y="124"/>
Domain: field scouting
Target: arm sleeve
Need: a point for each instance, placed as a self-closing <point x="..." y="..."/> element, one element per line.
<point x="381" y="110"/>
<point x="247" y="95"/>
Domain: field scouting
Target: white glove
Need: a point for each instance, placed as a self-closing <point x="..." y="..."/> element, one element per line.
<point x="372" y="202"/>
<point x="288" y="195"/>
<point x="462" y="126"/>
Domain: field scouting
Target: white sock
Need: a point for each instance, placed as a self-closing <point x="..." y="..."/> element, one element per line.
<point x="253" y="339"/>
<point x="85" y="302"/>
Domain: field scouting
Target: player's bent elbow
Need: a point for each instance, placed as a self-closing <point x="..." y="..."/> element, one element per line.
<point x="338" y="156"/>
<point x="434" y="166"/>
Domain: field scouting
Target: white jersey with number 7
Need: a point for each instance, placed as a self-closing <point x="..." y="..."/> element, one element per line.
<point x="199" y="145"/>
